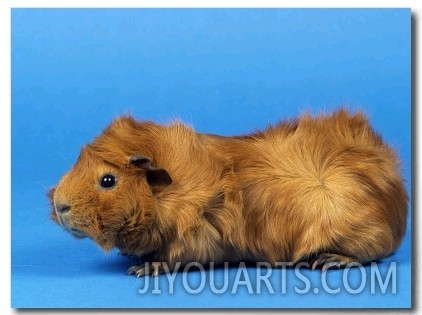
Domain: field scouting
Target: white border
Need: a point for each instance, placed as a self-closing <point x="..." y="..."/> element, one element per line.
<point x="5" y="169"/>
<point x="215" y="3"/>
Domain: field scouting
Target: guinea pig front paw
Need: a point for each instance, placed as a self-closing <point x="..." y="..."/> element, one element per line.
<point x="326" y="261"/>
<point x="147" y="269"/>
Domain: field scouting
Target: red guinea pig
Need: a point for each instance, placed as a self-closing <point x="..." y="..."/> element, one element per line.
<point x="323" y="189"/>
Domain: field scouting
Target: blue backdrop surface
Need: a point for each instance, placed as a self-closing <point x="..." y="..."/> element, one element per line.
<point x="225" y="71"/>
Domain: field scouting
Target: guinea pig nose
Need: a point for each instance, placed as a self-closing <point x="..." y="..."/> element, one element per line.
<point x="62" y="207"/>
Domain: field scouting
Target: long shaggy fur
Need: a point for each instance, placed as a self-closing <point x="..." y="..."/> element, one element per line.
<point x="324" y="189"/>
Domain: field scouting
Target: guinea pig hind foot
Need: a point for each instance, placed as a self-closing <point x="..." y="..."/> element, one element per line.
<point x="147" y="269"/>
<point x="326" y="261"/>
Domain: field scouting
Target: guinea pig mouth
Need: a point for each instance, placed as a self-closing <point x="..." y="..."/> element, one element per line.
<point x="76" y="233"/>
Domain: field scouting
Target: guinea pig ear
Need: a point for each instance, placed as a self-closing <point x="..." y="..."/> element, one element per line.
<point x="155" y="176"/>
<point x="141" y="162"/>
<point x="158" y="176"/>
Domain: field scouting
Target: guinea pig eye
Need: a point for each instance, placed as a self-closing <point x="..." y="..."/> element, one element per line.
<point x="108" y="181"/>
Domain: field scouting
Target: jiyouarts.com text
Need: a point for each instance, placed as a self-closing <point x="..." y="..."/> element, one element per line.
<point x="282" y="278"/>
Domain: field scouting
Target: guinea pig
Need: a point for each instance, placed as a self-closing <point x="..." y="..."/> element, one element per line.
<point x="323" y="189"/>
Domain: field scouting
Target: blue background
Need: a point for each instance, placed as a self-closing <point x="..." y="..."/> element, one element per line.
<point x="224" y="71"/>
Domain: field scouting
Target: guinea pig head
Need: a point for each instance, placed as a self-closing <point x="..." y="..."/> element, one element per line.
<point x="113" y="203"/>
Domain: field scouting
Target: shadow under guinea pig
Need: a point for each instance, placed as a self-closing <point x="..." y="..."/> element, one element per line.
<point x="55" y="261"/>
<point x="111" y="264"/>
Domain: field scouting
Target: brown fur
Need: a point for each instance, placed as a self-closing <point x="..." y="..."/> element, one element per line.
<point x="323" y="188"/>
